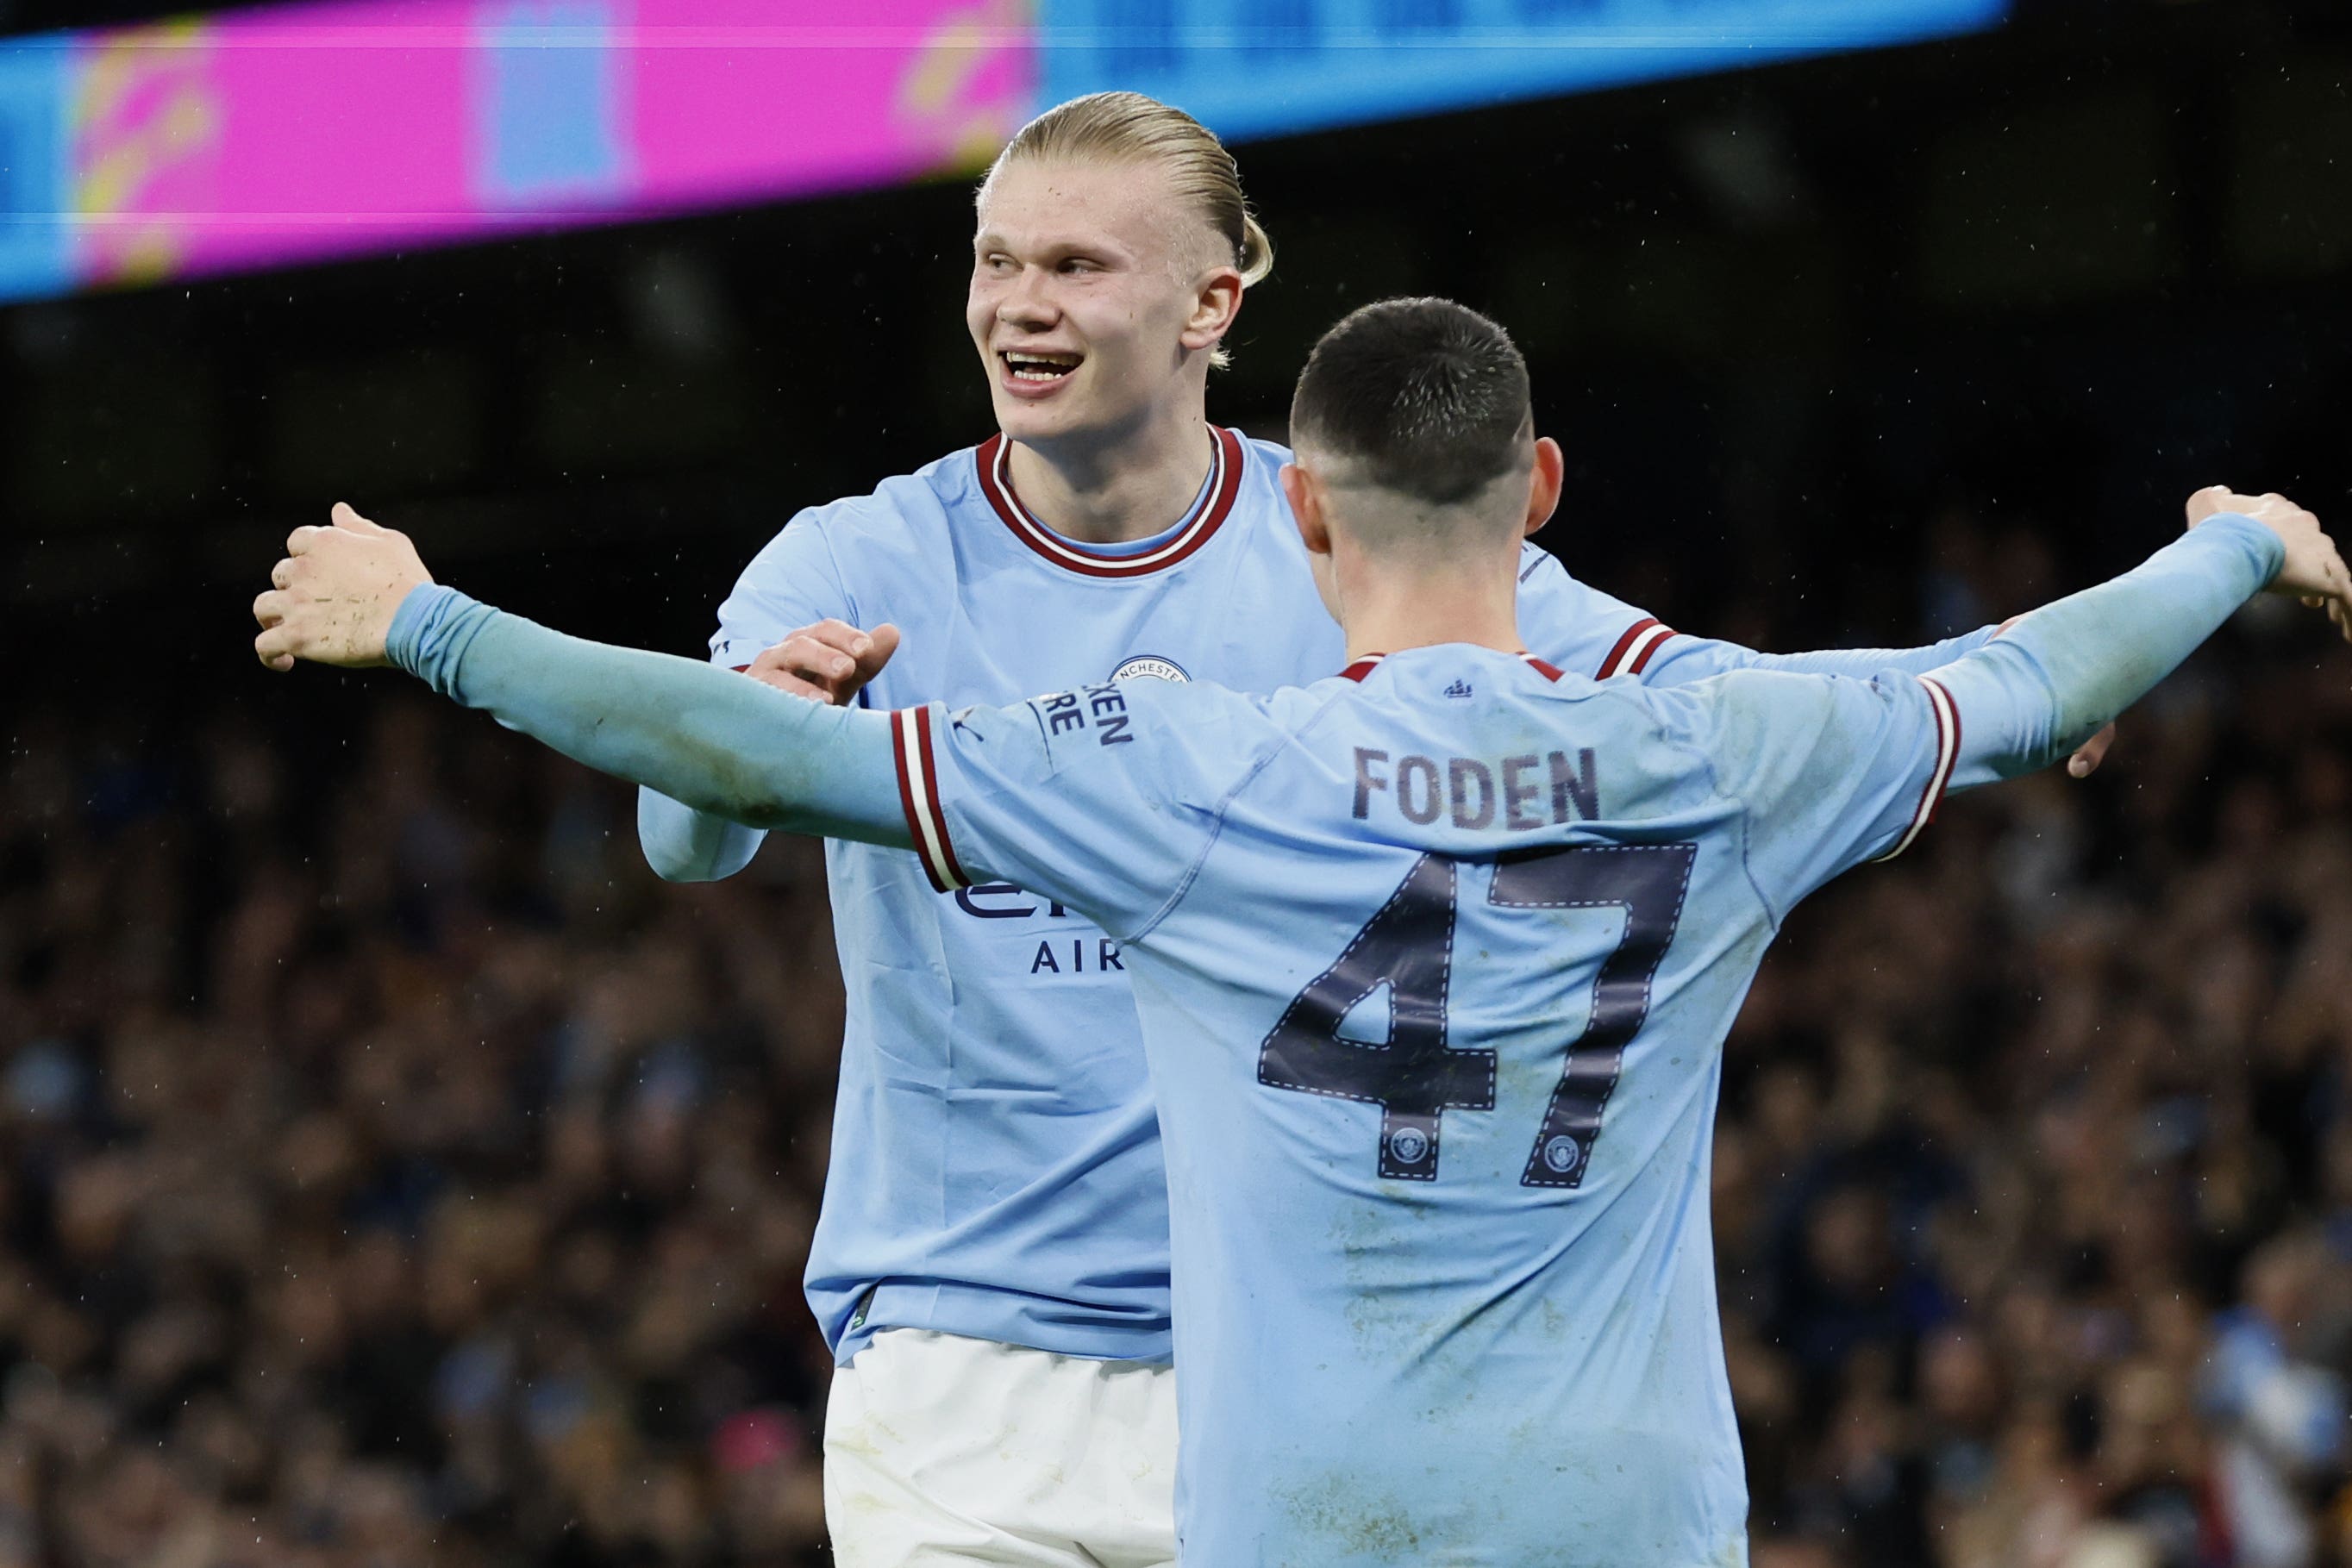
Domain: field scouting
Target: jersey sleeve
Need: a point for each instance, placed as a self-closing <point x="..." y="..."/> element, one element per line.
<point x="793" y="582"/>
<point x="1581" y="629"/>
<point x="721" y="745"/>
<point x="1675" y="658"/>
<point x="1829" y="771"/>
<point x="1833" y="770"/>
<point x="1103" y="799"/>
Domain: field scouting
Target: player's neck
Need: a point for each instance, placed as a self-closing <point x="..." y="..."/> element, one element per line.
<point x="1388" y="610"/>
<point x="1112" y="490"/>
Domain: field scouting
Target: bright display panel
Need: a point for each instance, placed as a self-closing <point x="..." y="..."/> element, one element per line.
<point x="252" y="137"/>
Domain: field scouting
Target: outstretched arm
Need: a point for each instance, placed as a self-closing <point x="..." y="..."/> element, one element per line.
<point x="1580" y="628"/>
<point x="2057" y="675"/>
<point x="829" y="661"/>
<point x="1833" y="772"/>
<point x="356" y="594"/>
<point x="1681" y="659"/>
<point x="724" y="745"/>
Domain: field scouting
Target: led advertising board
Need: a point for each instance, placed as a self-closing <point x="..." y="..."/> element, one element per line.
<point x="251" y="138"/>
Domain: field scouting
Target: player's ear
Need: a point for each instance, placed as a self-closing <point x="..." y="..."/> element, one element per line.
<point x="1306" y="507"/>
<point x="1543" y="494"/>
<point x="1214" y="308"/>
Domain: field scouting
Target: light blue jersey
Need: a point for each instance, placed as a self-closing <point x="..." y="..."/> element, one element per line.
<point x="1434" y="965"/>
<point x="996" y="1170"/>
<point x="1434" y="962"/>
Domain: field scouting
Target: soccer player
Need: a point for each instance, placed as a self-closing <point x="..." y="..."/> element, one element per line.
<point x="1433" y="958"/>
<point x="991" y="1265"/>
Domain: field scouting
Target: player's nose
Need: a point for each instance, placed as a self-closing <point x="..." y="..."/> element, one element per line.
<point x="1029" y="302"/>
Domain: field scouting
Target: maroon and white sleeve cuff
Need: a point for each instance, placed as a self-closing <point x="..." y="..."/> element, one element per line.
<point x="1633" y="652"/>
<point x="918" y="792"/>
<point x="1948" y="753"/>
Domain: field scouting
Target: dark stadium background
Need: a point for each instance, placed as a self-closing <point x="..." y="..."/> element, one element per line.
<point x="391" y="1171"/>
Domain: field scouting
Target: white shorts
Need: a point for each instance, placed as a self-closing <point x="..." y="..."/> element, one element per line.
<point x="943" y="1449"/>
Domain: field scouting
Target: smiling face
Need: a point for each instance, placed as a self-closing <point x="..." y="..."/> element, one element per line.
<point x="1096" y="299"/>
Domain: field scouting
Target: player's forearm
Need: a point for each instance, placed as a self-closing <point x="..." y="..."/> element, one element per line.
<point x="716" y="742"/>
<point x="2049" y="683"/>
<point x="1685" y="659"/>
<point x="683" y="844"/>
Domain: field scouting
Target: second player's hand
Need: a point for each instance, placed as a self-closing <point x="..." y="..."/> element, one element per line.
<point x="2314" y="571"/>
<point x="2090" y="753"/>
<point x="332" y="598"/>
<point x="828" y="662"/>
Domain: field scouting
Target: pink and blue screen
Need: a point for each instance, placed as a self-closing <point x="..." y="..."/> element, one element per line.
<point x="253" y="138"/>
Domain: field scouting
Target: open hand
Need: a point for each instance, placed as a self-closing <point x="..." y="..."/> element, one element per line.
<point x="2314" y="572"/>
<point x="332" y="598"/>
<point x="828" y="662"/>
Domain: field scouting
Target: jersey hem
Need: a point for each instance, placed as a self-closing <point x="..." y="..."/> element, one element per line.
<point x="1001" y="1317"/>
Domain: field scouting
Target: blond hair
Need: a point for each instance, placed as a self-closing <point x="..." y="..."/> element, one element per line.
<point x="1129" y="127"/>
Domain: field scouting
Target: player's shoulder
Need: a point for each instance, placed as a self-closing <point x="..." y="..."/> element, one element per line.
<point x="899" y="511"/>
<point x="1543" y="576"/>
<point x="1741" y="718"/>
<point x="1258" y="500"/>
<point x="1269" y="456"/>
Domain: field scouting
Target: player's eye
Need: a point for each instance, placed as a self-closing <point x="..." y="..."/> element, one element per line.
<point x="1077" y="263"/>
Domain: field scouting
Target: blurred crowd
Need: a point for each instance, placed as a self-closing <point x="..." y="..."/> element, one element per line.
<point x="396" y="1173"/>
<point x="2034" y="1183"/>
<point x="392" y="1172"/>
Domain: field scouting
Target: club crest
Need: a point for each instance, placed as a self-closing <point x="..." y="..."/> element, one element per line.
<point x="1150" y="667"/>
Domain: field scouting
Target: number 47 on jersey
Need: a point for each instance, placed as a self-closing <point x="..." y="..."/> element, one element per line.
<point x="1415" y="1077"/>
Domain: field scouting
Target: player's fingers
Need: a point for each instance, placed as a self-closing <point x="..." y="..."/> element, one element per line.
<point x="2094" y="751"/>
<point x="809" y="657"/>
<point x="269" y="609"/>
<point x="836" y="634"/>
<point x="299" y="541"/>
<point x="275" y="648"/>
<point x="284" y="572"/>
<point x="348" y="519"/>
<point x="790" y="684"/>
<point x="885" y="639"/>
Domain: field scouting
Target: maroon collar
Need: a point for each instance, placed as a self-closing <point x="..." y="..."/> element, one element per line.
<point x="994" y="462"/>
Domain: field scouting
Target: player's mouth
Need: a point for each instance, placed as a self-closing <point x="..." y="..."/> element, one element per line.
<point x="1032" y="374"/>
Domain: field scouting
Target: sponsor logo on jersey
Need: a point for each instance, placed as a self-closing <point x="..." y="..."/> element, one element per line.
<point x="1150" y="667"/>
<point x="1458" y="690"/>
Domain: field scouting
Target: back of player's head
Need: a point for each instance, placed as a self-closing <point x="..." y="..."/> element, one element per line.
<point x="1424" y="398"/>
<point x="1129" y="127"/>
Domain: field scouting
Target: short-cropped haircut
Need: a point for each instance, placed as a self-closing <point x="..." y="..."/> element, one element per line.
<point x="1423" y="397"/>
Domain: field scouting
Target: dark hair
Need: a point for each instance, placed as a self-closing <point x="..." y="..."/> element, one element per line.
<point x="1428" y="396"/>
